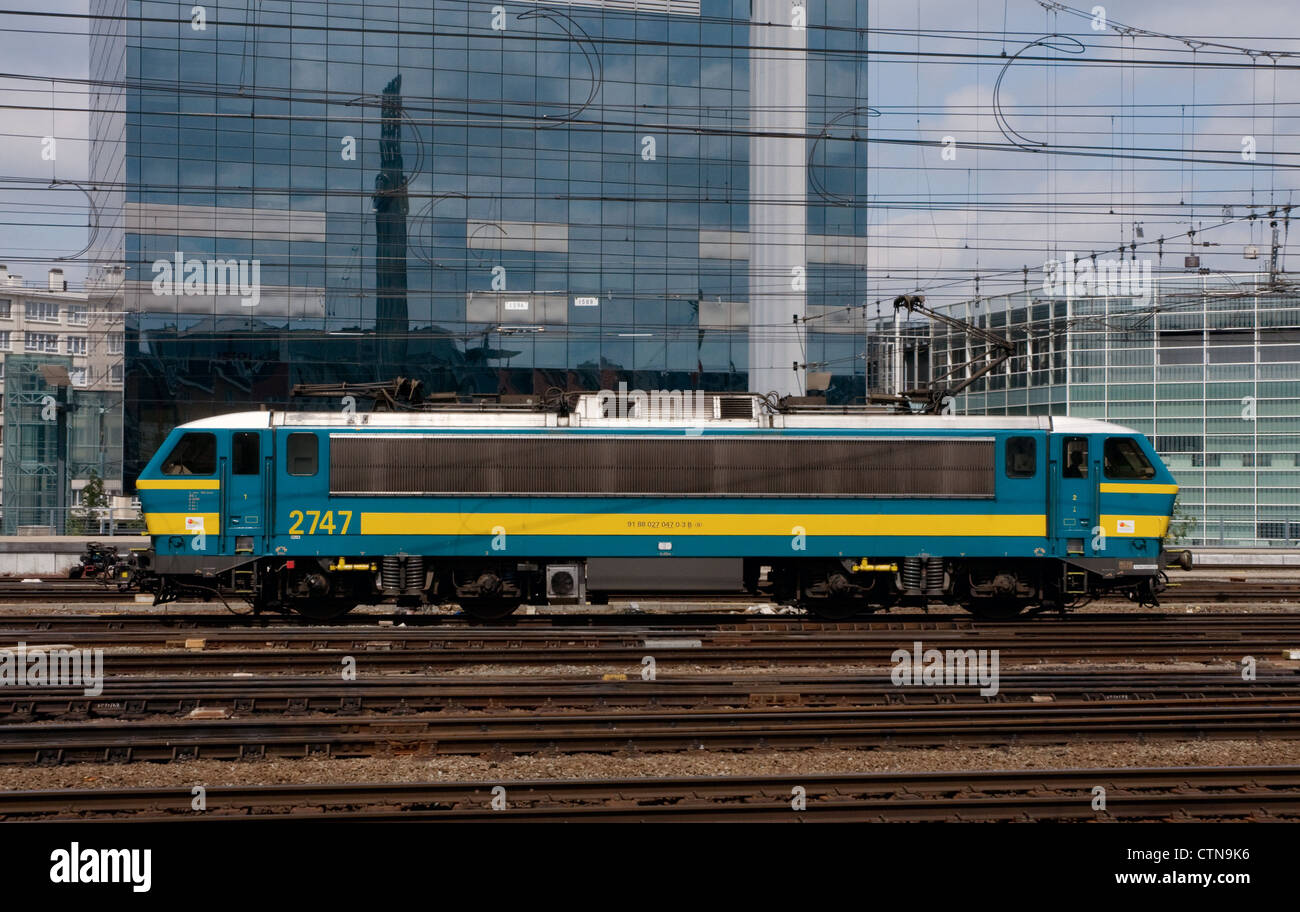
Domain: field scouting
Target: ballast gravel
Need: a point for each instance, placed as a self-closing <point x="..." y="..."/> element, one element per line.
<point x="1082" y="755"/>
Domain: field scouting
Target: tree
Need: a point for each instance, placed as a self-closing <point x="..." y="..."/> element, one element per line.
<point x="84" y="520"/>
<point x="1181" y="524"/>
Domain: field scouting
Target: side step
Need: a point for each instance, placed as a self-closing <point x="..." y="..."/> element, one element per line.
<point x="242" y="581"/>
<point x="1076" y="582"/>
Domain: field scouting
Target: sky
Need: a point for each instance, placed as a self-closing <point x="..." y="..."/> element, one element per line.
<point x="936" y="222"/>
<point x="36" y="222"/>
<point x="1081" y="204"/>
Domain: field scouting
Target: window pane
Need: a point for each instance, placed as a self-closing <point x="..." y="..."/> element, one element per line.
<point x="302" y="454"/>
<point x="194" y="454"/>
<point x="1076" y="458"/>
<point x="245" y="454"/>
<point x="1123" y="458"/>
<point x="1021" y="457"/>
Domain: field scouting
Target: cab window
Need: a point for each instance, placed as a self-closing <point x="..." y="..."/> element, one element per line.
<point x="1125" y="459"/>
<point x="301" y="450"/>
<point x="1022" y="456"/>
<point x="194" y="454"/>
<point x="1075" y="463"/>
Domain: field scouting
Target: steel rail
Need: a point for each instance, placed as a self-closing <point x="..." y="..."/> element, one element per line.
<point x="568" y="732"/>
<point x="1165" y="793"/>
<point x="246" y="697"/>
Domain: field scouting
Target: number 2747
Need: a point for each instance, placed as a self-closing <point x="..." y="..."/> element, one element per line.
<point x="320" y="522"/>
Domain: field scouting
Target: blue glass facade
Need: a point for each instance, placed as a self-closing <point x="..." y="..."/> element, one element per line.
<point x="492" y="198"/>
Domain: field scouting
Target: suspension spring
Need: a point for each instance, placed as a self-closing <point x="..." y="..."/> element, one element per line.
<point x="391" y="574"/>
<point x="912" y="575"/>
<point x="934" y="574"/>
<point x="414" y="575"/>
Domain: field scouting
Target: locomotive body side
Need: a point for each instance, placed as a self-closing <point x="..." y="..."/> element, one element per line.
<point x="321" y="511"/>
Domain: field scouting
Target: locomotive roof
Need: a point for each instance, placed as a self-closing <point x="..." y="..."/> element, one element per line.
<point x="487" y="420"/>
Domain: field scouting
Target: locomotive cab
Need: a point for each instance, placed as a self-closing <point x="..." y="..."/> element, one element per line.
<point x="1109" y="506"/>
<point x="205" y="495"/>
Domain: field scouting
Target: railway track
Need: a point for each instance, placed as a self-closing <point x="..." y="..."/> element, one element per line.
<point x="1241" y="793"/>
<point x="252" y="698"/>
<point x="157" y="621"/>
<point x="62" y="591"/>
<point x="381" y="661"/>
<point x="602" y="731"/>
<point x="130" y="629"/>
<point x="195" y="711"/>
<point x="143" y="648"/>
<point x="1051" y="640"/>
<point x="1232" y="589"/>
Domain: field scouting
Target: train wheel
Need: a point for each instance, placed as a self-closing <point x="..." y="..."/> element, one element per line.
<point x="490" y="609"/>
<point x="995" y="609"/>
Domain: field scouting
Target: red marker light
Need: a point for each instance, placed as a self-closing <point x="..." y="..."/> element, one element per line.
<point x="288" y="565"/>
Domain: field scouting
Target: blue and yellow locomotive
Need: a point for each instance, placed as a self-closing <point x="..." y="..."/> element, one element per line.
<point x="491" y="508"/>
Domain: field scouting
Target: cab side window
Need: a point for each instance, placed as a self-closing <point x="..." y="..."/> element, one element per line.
<point x="1075" y="461"/>
<point x="302" y="453"/>
<point x="1022" y="457"/>
<point x="244" y="453"/>
<point x="194" y="454"/>
<point x="1123" y="458"/>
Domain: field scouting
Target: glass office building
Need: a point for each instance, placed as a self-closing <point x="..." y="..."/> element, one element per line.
<point x="493" y="198"/>
<point x="1208" y="368"/>
<point x="85" y="425"/>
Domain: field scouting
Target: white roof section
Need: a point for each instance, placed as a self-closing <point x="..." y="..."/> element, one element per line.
<point x="433" y="419"/>
<point x="1088" y="426"/>
<point x="505" y="420"/>
<point x="916" y="422"/>
<point x="239" y="421"/>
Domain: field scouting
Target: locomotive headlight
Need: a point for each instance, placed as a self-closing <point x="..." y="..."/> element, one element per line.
<point x="562" y="583"/>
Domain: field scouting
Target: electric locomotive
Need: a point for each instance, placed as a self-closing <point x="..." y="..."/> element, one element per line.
<point x="839" y="512"/>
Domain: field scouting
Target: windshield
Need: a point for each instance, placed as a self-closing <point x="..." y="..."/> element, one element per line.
<point x="1125" y="459"/>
